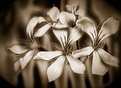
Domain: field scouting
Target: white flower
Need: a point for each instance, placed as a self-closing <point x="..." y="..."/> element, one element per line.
<point x="26" y="52"/>
<point x="30" y="47"/>
<point x="64" y="54"/>
<point x="69" y="18"/>
<point x="101" y="59"/>
<point x="50" y="21"/>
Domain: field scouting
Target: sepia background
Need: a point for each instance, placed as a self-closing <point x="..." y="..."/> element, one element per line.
<point x="14" y="16"/>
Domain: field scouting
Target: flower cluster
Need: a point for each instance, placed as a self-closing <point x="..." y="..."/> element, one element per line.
<point x="68" y="27"/>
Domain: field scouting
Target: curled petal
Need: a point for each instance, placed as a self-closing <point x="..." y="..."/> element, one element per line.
<point x="76" y="65"/>
<point x="54" y="71"/>
<point x="18" y="49"/>
<point x="54" y="13"/>
<point x="88" y="26"/>
<point x="61" y="35"/>
<point x="78" y="25"/>
<point x="109" y="27"/>
<point x="30" y="27"/>
<point x="83" y="52"/>
<point x="98" y="67"/>
<point x="32" y="23"/>
<point x="108" y="59"/>
<point x="67" y="18"/>
<point x="42" y="30"/>
<point x="48" y="55"/>
<point x="41" y="19"/>
<point x="74" y="35"/>
<point x="22" y="62"/>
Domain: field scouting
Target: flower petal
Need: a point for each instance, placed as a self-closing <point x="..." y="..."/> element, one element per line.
<point x="54" y="13"/>
<point x="61" y="35"/>
<point x="76" y="65"/>
<point x="74" y="35"/>
<point x="47" y="55"/>
<point x="109" y="27"/>
<point x="108" y="59"/>
<point x="67" y="18"/>
<point x="78" y="25"/>
<point x="22" y="62"/>
<point x="18" y="49"/>
<point x="30" y="27"/>
<point x="42" y="30"/>
<point x="83" y="52"/>
<point x="72" y="8"/>
<point x="54" y="71"/>
<point x="32" y="23"/>
<point x="88" y="26"/>
<point x="41" y="19"/>
<point x="98" y="67"/>
<point x="59" y="25"/>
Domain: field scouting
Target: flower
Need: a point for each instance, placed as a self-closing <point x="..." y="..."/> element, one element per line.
<point x="50" y="21"/>
<point x="55" y="20"/>
<point x="26" y="52"/>
<point x="101" y="59"/>
<point x="70" y="18"/>
<point x="64" y="54"/>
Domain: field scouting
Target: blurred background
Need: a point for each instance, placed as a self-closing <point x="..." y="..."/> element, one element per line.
<point x="14" y="16"/>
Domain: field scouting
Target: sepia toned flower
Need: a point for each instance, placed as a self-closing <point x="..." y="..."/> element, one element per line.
<point x="101" y="59"/>
<point x="27" y="49"/>
<point x="26" y="53"/>
<point x="63" y="55"/>
<point x="69" y="18"/>
<point x="50" y="21"/>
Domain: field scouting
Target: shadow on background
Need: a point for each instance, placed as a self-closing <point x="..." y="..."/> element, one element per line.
<point x="5" y="84"/>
